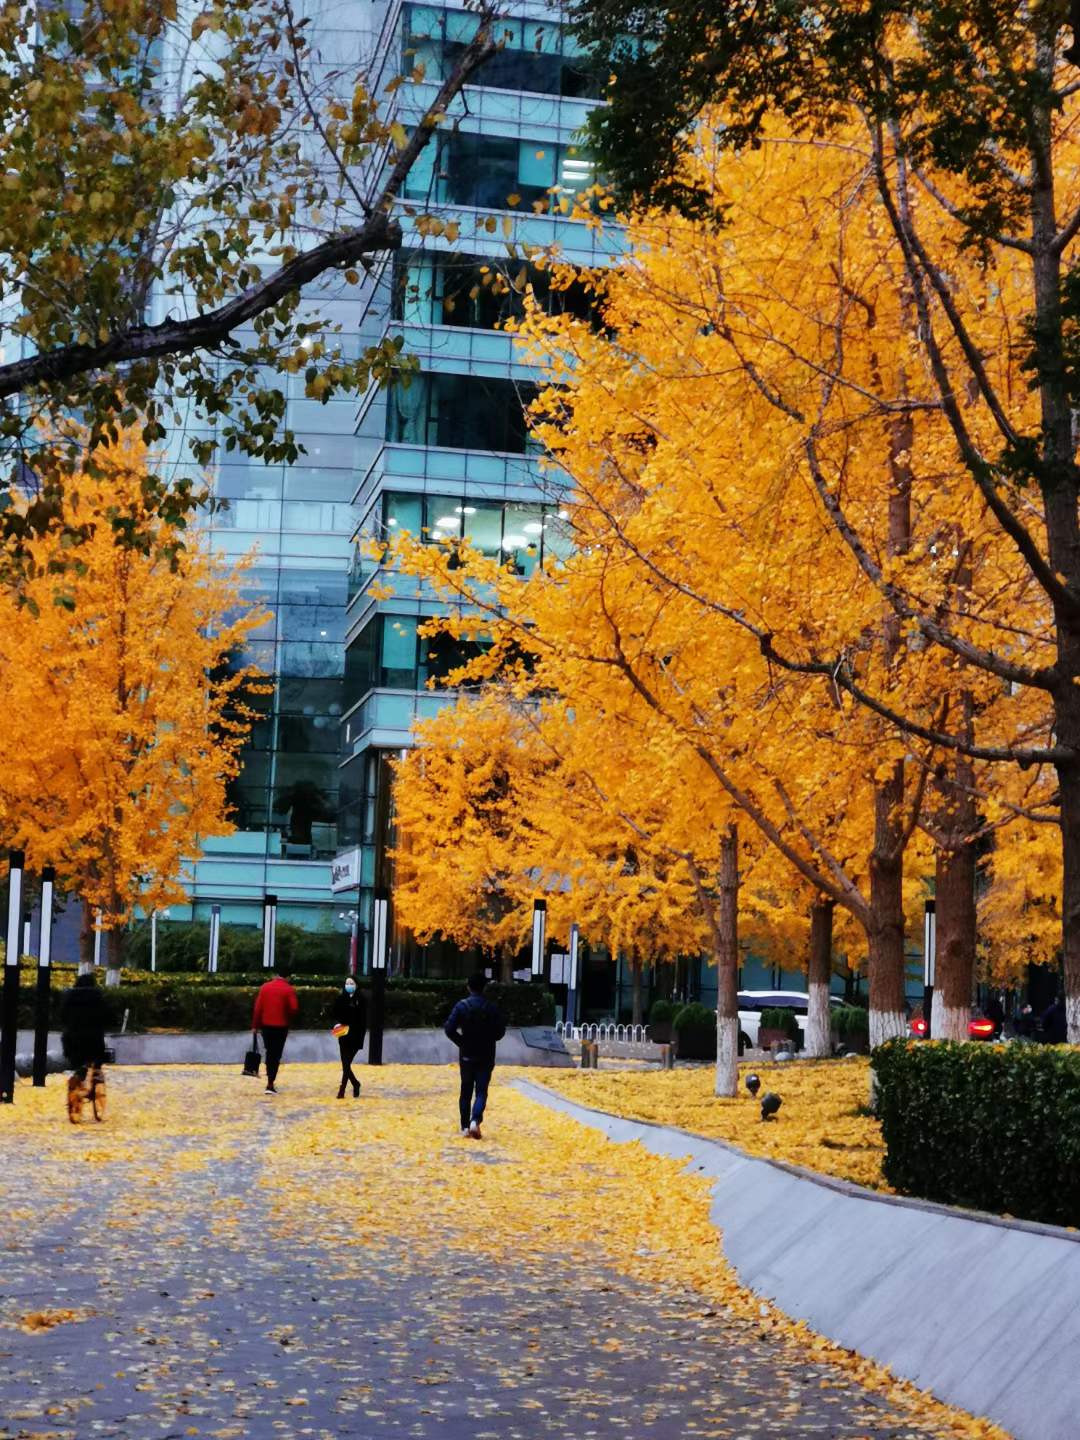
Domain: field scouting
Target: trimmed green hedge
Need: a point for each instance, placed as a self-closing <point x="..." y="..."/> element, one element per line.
<point x="695" y="1032"/>
<point x="781" y="1018"/>
<point x="663" y="1012"/>
<point x="990" y="1127"/>
<point x="850" y="1021"/>
<point x="204" y="1003"/>
<point x="183" y="947"/>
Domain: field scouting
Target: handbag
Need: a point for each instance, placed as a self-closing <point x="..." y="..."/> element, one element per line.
<point x="252" y="1057"/>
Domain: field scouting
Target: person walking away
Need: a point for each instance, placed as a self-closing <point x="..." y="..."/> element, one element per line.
<point x="475" y="1026"/>
<point x="83" y="1017"/>
<point x="1054" y="1027"/>
<point x="276" y="1006"/>
<point x="349" y="1011"/>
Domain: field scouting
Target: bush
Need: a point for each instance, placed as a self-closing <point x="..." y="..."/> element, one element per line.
<point x="216" y="1002"/>
<point x="991" y="1127"/>
<point x="663" y="1012"/>
<point x="185" y="948"/>
<point x="782" y="1019"/>
<point x="695" y="1032"/>
<point x="851" y="1022"/>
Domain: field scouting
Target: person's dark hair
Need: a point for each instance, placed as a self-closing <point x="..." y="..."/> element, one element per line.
<point x="86" y="980"/>
<point x="284" y="971"/>
<point x="477" y="982"/>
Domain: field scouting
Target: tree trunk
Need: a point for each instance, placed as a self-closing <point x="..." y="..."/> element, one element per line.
<point x="86" y="943"/>
<point x="818" y="979"/>
<point x="955" y="962"/>
<point x="505" y="962"/>
<point x="727" y="967"/>
<point x="1069" y="780"/>
<point x="635" y="991"/>
<point x="885" y="933"/>
<point x="115" y="946"/>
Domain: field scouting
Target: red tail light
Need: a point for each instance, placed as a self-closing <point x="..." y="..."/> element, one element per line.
<point x="980" y="1029"/>
<point x="918" y="1027"/>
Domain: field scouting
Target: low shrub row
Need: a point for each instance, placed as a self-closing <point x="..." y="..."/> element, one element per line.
<point x="182" y="948"/>
<point x="182" y="1004"/>
<point x="990" y="1127"/>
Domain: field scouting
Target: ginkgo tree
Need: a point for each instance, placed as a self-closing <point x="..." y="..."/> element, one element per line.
<point x="966" y="114"/>
<point x="127" y="703"/>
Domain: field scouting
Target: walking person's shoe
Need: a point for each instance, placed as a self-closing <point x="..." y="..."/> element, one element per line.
<point x="473" y="1131"/>
<point x="464" y="1132"/>
<point x="270" y="1090"/>
<point x="356" y="1089"/>
<point x="341" y="1091"/>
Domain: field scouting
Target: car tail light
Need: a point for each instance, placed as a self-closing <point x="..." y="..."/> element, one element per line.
<point x="980" y="1029"/>
<point x="918" y="1027"/>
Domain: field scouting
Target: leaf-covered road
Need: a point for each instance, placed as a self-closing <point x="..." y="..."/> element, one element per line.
<point x="211" y="1262"/>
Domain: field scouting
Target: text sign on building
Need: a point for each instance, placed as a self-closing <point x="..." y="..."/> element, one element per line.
<point x="345" y="871"/>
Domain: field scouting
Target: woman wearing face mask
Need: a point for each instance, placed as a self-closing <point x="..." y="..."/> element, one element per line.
<point x="350" y="1026"/>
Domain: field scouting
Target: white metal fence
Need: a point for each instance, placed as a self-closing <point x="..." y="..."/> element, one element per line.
<point x="624" y="1034"/>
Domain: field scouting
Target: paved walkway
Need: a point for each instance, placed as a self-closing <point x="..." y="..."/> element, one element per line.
<point x="211" y="1262"/>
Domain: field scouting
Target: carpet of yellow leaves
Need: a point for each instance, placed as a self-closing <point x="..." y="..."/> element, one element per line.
<point x="822" y="1123"/>
<point x="388" y="1181"/>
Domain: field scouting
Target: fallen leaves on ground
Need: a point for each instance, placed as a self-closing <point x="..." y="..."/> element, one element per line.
<point x="823" y="1122"/>
<point x="379" y="1209"/>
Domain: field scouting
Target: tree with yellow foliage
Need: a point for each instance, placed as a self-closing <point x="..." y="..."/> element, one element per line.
<point x="125" y="708"/>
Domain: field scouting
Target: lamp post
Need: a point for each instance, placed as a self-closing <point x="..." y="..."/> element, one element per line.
<point x="929" y="960"/>
<point x="539" y="938"/>
<point x="572" y="978"/>
<point x="380" y="917"/>
<point x="44" y="977"/>
<point x="215" y="939"/>
<point x="269" y="930"/>
<point x="9" y="1002"/>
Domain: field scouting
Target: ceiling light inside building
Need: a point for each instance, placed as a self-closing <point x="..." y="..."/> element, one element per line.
<point x="533" y="528"/>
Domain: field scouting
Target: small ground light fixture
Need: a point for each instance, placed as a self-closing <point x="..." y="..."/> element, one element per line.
<point x="753" y="1084"/>
<point x="770" y="1104"/>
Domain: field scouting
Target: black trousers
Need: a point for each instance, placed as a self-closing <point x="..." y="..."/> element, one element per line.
<point x="475" y="1079"/>
<point x="347" y="1049"/>
<point x="274" y="1037"/>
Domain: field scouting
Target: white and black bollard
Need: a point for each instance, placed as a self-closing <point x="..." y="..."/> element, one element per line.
<point x="269" y="930"/>
<point x="9" y="1002"/>
<point x="215" y="939"/>
<point x="44" y="977"/>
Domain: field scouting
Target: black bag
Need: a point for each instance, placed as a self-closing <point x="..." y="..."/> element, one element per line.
<point x="252" y="1058"/>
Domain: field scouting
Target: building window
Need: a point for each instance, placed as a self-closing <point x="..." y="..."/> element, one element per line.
<point x="492" y="172"/>
<point x="460" y="412"/>
<point x="482" y="293"/>
<point x="537" y="57"/>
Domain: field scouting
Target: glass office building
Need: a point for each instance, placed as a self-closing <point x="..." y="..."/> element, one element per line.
<point x="448" y="454"/>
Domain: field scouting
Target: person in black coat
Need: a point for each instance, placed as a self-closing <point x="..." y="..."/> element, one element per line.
<point x="475" y="1026"/>
<point x="349" y="1009"/>
<point x="83" y="1017"/>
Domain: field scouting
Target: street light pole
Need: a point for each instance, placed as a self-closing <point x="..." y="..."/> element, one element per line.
<point x="10" y="998"/>
<point x="539" y="938"/>
<point x="929" y="960"/>
<point x="153" y="940"/>
<point x="572" y="980"/>
<point x="380" y="916"/>
<point x="269" y="930"/>
<point x="44" y="977"/>
<point x="215" y="939"/>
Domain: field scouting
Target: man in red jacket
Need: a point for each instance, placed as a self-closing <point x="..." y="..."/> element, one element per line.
<point x="275" y="1009"/>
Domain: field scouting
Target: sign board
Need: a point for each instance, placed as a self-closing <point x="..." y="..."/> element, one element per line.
<point x="345" y="871"/>
<point x="560" y="968"/>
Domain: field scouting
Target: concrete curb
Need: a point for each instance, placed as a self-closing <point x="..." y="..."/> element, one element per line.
<point x="983" y="1312"/>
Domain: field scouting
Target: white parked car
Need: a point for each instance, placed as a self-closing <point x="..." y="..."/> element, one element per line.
<point x="753" y="1002"/>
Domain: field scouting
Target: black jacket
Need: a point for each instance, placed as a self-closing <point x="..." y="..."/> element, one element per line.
<point x="351" y="1010"/>
<point x="83" y="1017"/>
<point x="476" y="1026"/>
